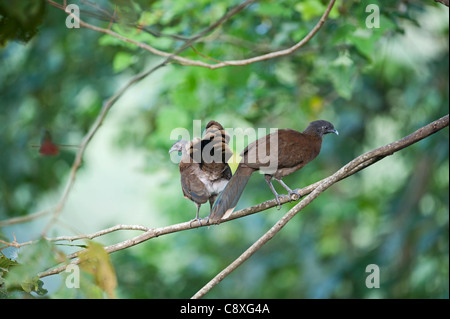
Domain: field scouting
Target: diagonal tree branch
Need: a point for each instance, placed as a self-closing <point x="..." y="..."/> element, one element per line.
<point x="313" y="191"/>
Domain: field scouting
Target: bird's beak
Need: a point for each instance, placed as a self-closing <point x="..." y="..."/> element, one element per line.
<point x="332" y="131"/>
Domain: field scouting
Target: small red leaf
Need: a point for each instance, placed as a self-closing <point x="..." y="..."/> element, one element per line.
<point x="48" y="148"/>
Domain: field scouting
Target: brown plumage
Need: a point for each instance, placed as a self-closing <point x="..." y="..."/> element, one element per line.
<point x="276" y="155"/>
<point x="203" y="166"/>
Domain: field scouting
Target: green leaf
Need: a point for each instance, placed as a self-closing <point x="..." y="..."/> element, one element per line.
<point x="21" y="20"/>
<point x="342" y="73"/>
<point x="5" y="262"/>
<point x="311" y="9"/>
<point x="95" y="261"/>
<point x="122" y="60"/>
<point x="21" y="274"/>
<point x="274" y="9"/>
<point x="33" y="284"/>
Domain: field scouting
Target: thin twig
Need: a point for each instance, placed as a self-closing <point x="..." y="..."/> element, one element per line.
<point x="102" y="232"/>
<point x="205" y="56"/>
<point x="99" y="233"/>
<point x="24" y="219"/>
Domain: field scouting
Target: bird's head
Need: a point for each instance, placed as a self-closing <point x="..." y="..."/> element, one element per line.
<point x="320" y="128"/>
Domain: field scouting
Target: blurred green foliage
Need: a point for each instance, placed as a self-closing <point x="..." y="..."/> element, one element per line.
<point x="21" y="20"/>
<point x="374" y="85"/>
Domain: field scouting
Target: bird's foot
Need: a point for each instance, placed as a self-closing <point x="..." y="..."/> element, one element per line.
<point x="294" y="195"/>
<point x="277" y="197"/>
<point x="206" y="219"/>
<point x="199" y="220"/>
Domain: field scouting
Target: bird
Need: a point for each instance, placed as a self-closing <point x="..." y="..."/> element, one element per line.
<point x="276" y="155"/>
<point x="203" y="165"/>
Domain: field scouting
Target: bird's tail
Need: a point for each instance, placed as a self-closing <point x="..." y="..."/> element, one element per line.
<point x="229" y="198"/>
<point x="212" y="151"/>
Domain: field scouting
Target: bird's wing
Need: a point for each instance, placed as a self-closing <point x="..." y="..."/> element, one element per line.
<point x="282" y="149"/>
<point x="192" y="185"/>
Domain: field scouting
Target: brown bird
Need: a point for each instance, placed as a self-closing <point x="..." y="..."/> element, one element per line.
<point x="203" y="166"/>
<point x="276" y="155"/>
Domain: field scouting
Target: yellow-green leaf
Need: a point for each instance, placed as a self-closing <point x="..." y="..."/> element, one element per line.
<point x="95" y="261"/>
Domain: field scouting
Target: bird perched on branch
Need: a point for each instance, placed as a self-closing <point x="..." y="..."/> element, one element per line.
<point x="203" y="166"/>
<point x="276" y="155"/>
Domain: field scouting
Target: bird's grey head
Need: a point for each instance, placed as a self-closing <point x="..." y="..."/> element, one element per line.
<point x="178" y="146"/>
<point x="320" y="128"/>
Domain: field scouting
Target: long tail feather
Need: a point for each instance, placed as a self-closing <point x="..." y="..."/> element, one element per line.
<point x="228" y="199"/>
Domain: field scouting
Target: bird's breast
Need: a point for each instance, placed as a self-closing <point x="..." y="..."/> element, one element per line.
<point x="214" y="187"/>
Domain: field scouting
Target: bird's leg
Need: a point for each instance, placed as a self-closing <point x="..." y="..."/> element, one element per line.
<point x="268" y="179"/>
<point x="212" y="199"/>
<point x="196" y="217"/>
<point x="290" y="191"/>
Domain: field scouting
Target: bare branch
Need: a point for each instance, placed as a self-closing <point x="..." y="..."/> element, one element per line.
<point x="23" y="219"/>
<point x="103" y="232"/>
<point x="100" y="233"/>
